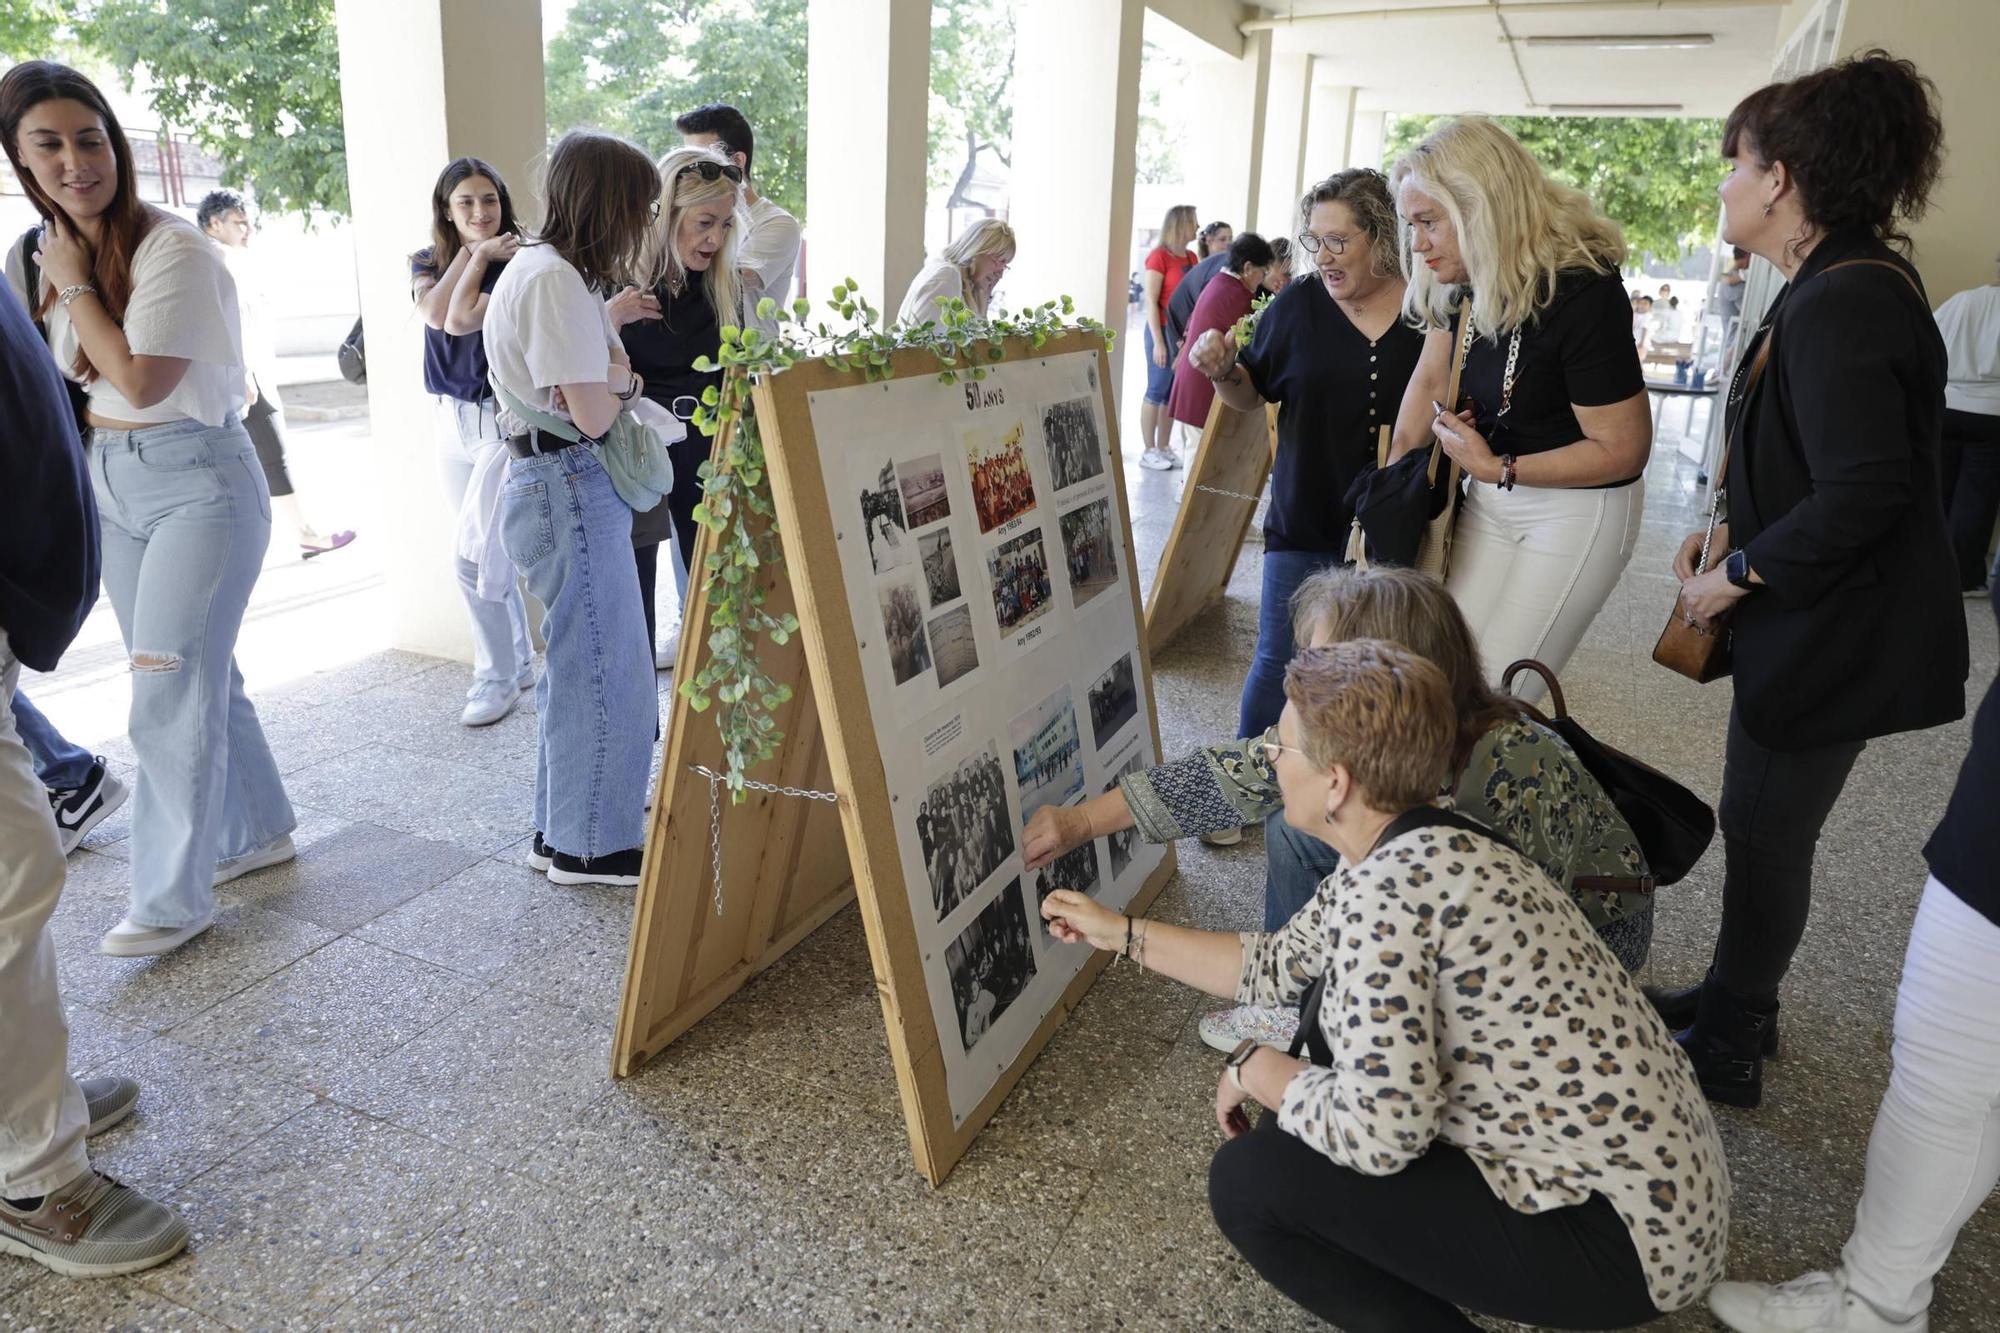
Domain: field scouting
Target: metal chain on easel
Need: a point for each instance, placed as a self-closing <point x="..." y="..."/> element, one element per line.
<point x="715" y="781"/>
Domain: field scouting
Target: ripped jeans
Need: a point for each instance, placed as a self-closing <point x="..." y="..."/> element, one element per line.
<point x="186" y="517"/>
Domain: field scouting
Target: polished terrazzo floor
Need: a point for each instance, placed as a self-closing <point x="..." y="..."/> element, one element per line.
<point x="378" y="1091"/>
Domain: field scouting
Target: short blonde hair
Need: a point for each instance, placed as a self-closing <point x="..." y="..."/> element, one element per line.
<point x="1517" y="226"/>
<point x="988" y="236"/>
<point x="1380" y="710"/>
<point x="681" y="190"/>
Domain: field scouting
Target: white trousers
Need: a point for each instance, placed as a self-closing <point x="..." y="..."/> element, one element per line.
<point x="1531" y="567"/>
<point x="42" y="1115"/>
<point x="1934" y="1155"/>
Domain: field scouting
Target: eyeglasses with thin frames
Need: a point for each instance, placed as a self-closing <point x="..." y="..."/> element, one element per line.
<point x="1268" y="747"/>
<point x="1313" y="243"/>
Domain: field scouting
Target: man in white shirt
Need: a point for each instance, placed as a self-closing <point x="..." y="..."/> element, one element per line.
<point x="767" y="250"/>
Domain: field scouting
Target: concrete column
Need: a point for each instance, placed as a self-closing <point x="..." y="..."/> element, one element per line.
<point x="425" y="81"/>
<point x="1076" y="121"/>
<point x="1329" y="132"/>
<point x="1285" y="107"/>
<point x="868" y="78"/>
<point x="1365" y="140"/>
<point x="1225" y="151"/>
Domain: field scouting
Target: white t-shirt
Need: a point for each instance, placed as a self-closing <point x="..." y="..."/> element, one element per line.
<point x="769" y="250"/>
<point x="544" y="328"/>
<point x="940" y="280"/>
<point x="183" y="305"/>
<point x="1970" y="325"/>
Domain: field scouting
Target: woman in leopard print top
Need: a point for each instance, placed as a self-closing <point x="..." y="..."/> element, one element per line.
<point x="1493" y="1116"/>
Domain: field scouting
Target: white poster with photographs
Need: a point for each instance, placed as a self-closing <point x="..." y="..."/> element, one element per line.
<point x="982" y="542"/>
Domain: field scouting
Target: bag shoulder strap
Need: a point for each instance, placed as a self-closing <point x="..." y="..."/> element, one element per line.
<point x="1893" y="267"/>
<point x="540" y="420"/>
<point x="1459" y="346"/>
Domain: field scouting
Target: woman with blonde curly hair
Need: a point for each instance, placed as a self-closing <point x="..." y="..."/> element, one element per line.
<point x="968" y="270"/>
<point x="1552" y="429"/>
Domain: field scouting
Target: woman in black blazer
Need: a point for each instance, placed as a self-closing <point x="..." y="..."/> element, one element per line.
<point x="1839" y="585"/>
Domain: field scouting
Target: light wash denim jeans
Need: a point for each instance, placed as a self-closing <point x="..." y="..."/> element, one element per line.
<point x="500" y="648"/>
<point x="186" y="518"/>
<point x="571" y="536"/>
<point x="60" y="763"/>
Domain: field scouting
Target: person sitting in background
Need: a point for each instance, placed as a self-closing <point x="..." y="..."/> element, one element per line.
<point x="1480" y="1066"/>
<point x="767" y="243"/>
<point x="968" y="270"/>
<point x="1222" y="303"/>
<point x="1509" y="772"/>
<point x="1970" y="464"/>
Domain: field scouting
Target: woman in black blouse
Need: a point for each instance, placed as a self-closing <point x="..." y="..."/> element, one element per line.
<point x="1839" y="584"/>
<point x="1334" y="355"/>
<point x="666" y="330"/>
<point x="1557" y="429"/>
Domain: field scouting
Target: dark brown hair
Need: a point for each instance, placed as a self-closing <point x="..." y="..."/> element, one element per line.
<point x="124" y="224"/>
<point x="598" y="205"/>
<point x="1862" y="139"/>
<point x="445" y="242"/>
<point x="1365" y="191"/>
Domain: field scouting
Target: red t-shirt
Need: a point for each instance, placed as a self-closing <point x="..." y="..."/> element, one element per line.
<point x="1172" y="268"/>
<point x="1224" y="301"/>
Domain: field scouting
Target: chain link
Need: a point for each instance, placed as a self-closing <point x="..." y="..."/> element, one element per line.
<point x="715" y="781"/>
<point x="1228" y="495"/>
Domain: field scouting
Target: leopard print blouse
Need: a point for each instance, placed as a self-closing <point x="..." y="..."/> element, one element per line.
<point x="1469" y="1000"/>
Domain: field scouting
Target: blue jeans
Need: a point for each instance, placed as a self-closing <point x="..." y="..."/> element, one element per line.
<point x="1294" y="866"/>
<point x="59" y="764"/>
<point x="1264" y="690"/>
<point x="571" y="536"/>
<point x="186" y="518"/>
<point x="1159" y="379"/>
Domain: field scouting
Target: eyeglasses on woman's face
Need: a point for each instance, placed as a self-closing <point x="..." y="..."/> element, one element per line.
<point x="714" y="170"/>
<point x="1268" y="747"/>
<point x="1333" y="242"/>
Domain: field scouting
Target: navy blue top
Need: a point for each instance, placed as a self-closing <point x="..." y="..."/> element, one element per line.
<point x="455" y="363"/>
<point x="48" y="520"/>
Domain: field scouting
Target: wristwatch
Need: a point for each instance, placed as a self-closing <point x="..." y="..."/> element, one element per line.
<point x="1737" y="569"/>
<point x="1239" y="1057"/>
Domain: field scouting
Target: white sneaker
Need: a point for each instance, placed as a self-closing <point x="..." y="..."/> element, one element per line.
<point x="1223" y="837"/>
<point x="1225" y="1029"/>
<point x="1819" y="1302"/>
<point x="489" y="701"/>
<point x="667" y="653"/>
<point x="129" y="939"/>
<point x="270" y="854"/>
<point x="1159" y="460"/>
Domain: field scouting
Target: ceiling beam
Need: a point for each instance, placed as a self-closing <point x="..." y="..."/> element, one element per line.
<point x="1450" y="9"/>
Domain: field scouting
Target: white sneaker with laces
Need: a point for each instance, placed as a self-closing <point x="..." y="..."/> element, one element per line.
<point x="1225" y="1029"/>
<point x="489" y="701"/>
<point x="129" y="939"/>
<point x="1159" y="460"/>
<point x="1815" y="1303"/>
<point x="665" y="655"/>
<point x="276" y="852"/>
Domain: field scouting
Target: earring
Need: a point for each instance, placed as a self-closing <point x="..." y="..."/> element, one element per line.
<point x="1767" y="210"/>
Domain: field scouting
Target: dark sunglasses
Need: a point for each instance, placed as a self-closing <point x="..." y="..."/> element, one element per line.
<point x="714" y="170"/>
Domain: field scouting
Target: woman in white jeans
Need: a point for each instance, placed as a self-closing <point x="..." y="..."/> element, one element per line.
<point x="1935" y="1154"/>
<point x="1552" y="427"/>
<point x="473" y="235"/>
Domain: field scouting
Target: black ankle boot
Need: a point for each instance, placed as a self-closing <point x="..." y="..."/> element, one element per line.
<point x="1726" y="1044"/>
<point x="1677" y="1008"/>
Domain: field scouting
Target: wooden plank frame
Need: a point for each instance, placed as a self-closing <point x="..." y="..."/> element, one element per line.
<point x="1236" y="453"/>
<point x="785" y="872"/>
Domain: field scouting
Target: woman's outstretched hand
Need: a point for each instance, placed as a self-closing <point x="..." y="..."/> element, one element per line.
<point x="1073" y="916"/>
<point x="1053" y="830"/>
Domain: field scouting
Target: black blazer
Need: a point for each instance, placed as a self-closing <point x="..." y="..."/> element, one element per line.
<point x="1833" y="493"/>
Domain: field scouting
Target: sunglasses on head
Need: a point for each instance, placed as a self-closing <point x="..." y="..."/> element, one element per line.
<point x="714" y="170"/>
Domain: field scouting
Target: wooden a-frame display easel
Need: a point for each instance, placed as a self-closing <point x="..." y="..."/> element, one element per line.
<point x="789" y="863"/>
<point x="1235" y="456"/>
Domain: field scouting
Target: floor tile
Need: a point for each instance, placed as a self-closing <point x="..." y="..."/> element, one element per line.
<point x="60" y="1304"/>
<point x="245" y="945"/>
<point x="442" y="800"/>
<point x="353" y="875"/>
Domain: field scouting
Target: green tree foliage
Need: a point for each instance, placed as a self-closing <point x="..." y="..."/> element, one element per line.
<point x="631" y="66"/>
<point x="29" y="29"/>
<point x="1655" y="178"/>
<point x="256" y="82"/>
<point x="972" y="85"/>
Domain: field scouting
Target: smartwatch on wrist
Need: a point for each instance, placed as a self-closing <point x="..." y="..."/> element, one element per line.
<point x="1737" y="569"/>
<point x="1239" y="1057"/>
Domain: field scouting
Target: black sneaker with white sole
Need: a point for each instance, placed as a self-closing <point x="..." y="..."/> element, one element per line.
<point x="619" y="870"/>
<point x="82" y="808"/>
<point x="539" y="856"/>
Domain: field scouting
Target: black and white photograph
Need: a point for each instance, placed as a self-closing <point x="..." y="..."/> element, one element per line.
<point x="1075" y="869"/>
<point x="882" y="516"/>
<point x="952" y="645"/>
<point x="962" y="828"/>
<point x="1002" y="489"/>
<point x="903" y="624"/>
<point x="991" y="963"/>
<point x="1075" y="452"/>
<point x="940" y="562"/>
<point x="1048" y="754"/>
<point x="1086" y="534"/>
<point x="924" y="497"/>
<point x="1018" y="569"/>
<point x="1119" y="844"/>
<point x="1114" y="701"/>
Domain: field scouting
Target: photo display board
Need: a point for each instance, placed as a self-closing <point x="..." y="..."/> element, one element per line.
<point x="983" y="544"/>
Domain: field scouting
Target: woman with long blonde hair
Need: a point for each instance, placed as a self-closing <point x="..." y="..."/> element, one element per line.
<point x="677" y="318"/>
<point x="1552" y="428"/>
<point x="1166" y="264"/>
<point x="968" y="270"/>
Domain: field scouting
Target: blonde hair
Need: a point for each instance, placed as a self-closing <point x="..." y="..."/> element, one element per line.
<point x="988" y="236"/>
<point x="1381" y="711"/>
<point x="678" y="194"/>
<point x="1179" y="228"/>
<point x="1517" y="226"/>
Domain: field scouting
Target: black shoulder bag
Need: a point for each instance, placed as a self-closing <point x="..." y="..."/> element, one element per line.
<point x="79" y="397"/>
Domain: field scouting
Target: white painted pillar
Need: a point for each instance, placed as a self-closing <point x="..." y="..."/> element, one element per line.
<point x="1225" y="151"/>
<point x="1365" y="140"/>
<point x="1285" y="107"/>
<point x="1076" y="120"/>
<point x="868" y="77"/>
<point x="425" y="81"/>
<point x="1329" y="132"/>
